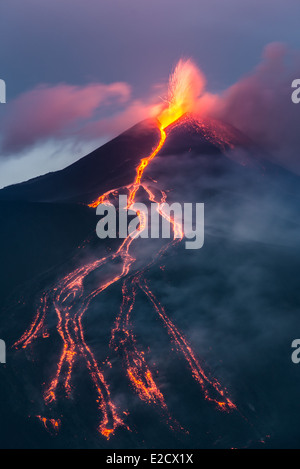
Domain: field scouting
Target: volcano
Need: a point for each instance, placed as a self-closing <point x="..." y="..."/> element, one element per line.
<point x="198" y="348"/>
<point x="114" y="164"/>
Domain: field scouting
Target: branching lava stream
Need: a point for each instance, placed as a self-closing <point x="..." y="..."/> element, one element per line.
<point x="70" y="300"/>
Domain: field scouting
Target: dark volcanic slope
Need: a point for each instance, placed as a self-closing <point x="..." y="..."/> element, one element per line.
<point x="109" y="166"/>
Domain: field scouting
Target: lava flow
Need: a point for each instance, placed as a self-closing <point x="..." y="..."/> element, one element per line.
<point x="70" y="299"/>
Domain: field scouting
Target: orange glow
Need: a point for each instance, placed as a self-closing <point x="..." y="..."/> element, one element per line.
<point x="185" y="86"/>
<point x="70" y="298"/>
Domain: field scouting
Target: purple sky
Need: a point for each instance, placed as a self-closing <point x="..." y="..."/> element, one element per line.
<point x="81" y="49"/>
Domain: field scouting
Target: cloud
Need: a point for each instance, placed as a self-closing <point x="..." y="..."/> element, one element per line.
<point x="52" y="155"/>
<point x="260" y="105"/>
<point x="54" y="111"/>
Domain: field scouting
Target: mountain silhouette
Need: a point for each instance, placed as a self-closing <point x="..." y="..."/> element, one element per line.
<point x="236" y="299"/>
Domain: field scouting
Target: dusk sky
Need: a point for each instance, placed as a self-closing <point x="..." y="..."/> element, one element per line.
<point x="78" y="73"/>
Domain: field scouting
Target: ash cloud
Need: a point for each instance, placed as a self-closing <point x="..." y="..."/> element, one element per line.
<point x="260" y="105"/>
<point x="53" y="112"/>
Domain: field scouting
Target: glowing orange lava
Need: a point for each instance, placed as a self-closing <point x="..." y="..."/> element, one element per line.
<point x="70" y="299"/>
